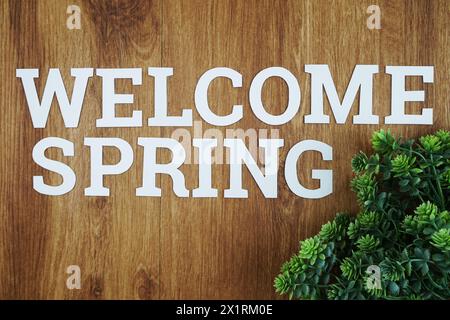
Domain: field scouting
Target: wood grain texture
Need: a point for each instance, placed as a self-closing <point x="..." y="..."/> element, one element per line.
<point x="132" y="247"/>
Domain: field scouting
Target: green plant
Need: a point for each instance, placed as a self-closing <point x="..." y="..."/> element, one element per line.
<point x="403" y="229"/>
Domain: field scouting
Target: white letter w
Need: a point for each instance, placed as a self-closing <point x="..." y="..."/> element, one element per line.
<point x="70" y="110"/>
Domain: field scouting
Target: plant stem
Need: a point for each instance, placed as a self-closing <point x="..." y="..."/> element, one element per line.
<point x="441" y="195"/>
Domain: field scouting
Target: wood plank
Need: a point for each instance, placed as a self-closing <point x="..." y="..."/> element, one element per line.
<point x="114" y="240"/>
<point x="170" y="247"/>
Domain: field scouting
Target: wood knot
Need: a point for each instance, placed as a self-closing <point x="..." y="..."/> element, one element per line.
<point x="96" y="286"/>
<point x="101" y="202"/>
<point x="143" y="283"/>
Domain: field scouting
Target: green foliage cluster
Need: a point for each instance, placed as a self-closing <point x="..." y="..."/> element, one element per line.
<point x="403" y="190"/>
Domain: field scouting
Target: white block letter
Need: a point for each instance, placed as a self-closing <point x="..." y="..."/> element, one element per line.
<point x="65" y="171"/>
<point x="98" y="169"/>
<point x="399" y="95"/>
<point x="362" y="77"/>
<point x="161" y="118"/>
<point x="110" y="98"/>
<point x="151" y="168"/>
<point x="204" y="189"/>
<point x="293" y="99"/>
<point x="70" y="110"/>
<point x="325" y="176"/>
<point x="201" y="97"/>
<point x="239" y="154"/>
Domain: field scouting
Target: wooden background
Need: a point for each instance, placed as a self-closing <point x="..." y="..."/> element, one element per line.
<point x="162" y="248"/>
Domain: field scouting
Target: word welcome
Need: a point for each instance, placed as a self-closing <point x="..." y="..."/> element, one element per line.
<point x="266" y="178"/>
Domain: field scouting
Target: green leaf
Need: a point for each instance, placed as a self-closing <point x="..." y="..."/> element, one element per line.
<point x="302" y="277"/>
<point x="426" y="254"/>
<point x="437" y="257"/>
<point x="325" y="278"/>
<point x="320" y="264"/>
<point x="416" y="286"/>
<point x="351" y="284"/>
<point x="297" y="293"/>
<point x="408" y="268"/>
<point x="394" y="288"/>
<point x="403" y="183"/>
<point x="418" y="253"/>
<point x="424" y="269"/>
<point x="305" y="290"/>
